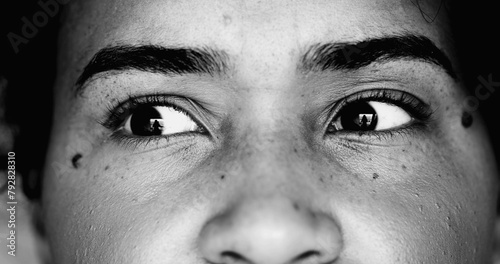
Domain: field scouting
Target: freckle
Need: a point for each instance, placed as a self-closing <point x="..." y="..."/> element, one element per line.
<point x="227" y="20"/>
<point x="321" y="179"/>
<point x="106" y="168"/>
<point x="403" y="166"/>
<point x="295" y="150"/>
<point x="222" y="177"/>
<point x="121" y="177"/>
<point x="331" y="176"/>
<point x="466" y="119"/>
<point x="75" y="159"/>
<point x="375" y="176"/>
<point x="296" y="206"/>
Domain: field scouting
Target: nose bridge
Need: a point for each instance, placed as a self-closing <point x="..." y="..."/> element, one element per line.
<point x="272" y="161"/>
<point x="265" y="143"/>
<point x="273" y="216"/>
<point x="270" y="125"/>
<point x="270" y="150"/>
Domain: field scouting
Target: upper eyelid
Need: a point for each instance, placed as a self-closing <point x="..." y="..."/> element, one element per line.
<point x="382" y="95"/>
<point x="115" y="112"/>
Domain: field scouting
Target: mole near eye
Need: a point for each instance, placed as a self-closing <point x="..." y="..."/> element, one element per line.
<point x="75" y="160"/>
<point x="466" y="119"/>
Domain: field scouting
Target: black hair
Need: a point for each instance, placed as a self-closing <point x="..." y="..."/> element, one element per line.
<point x="28" y="64"/>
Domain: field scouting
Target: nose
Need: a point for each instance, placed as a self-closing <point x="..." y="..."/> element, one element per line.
<point x="270" y="231"/>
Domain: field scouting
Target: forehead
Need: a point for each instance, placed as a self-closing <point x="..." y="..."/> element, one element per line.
<point x="194" y="21"/>
<point x="252" y="32"/>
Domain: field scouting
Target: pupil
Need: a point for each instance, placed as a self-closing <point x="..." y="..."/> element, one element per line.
<point x="146" y="121"/>
<point x="358" y="116"/>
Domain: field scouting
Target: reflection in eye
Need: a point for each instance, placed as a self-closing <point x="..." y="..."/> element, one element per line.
<point x="370" y="116"/>
<point x="158" y="120"/>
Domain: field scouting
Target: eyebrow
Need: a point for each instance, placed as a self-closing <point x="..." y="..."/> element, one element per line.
<point x="317" y="58"/>
<point x="354" y="56"/>
<point x="155" y="59"/>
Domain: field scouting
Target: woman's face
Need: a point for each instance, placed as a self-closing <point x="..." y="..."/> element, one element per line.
<point x="265" y="132"/>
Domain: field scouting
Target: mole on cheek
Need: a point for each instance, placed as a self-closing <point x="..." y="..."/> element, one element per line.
<point x="75" y="160"/>
<point x="466" y="119"/>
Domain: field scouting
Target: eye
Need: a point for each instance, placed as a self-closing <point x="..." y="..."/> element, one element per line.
<point x="158" y="120"/>
<point x="366" y="116"/>
<point x="378" y="110"/>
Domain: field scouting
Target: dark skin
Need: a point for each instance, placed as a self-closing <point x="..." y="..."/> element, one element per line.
<point x="103" y="168"/>
<point x="266" y="128"/>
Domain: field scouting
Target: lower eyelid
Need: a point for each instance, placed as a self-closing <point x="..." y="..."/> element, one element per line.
<point x="134" y="142"/>
<point x="387" y="138"/>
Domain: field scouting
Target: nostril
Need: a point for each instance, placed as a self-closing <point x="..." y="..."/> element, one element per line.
<point x="231" y="257"/>
<point x="307" y="255"/>
<point x="310" y="256"/>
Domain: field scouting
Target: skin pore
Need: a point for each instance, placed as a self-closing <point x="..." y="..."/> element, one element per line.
<point x="266" y="168"/>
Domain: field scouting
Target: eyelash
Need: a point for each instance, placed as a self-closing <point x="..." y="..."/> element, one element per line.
<point x="419" y="111"/>
<point x="117" y="114"/>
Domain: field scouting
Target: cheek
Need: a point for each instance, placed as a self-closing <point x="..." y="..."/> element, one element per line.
<point x="402" y="205"/>
<point x="416" y="203"/>
<point x="116" y="206"/>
